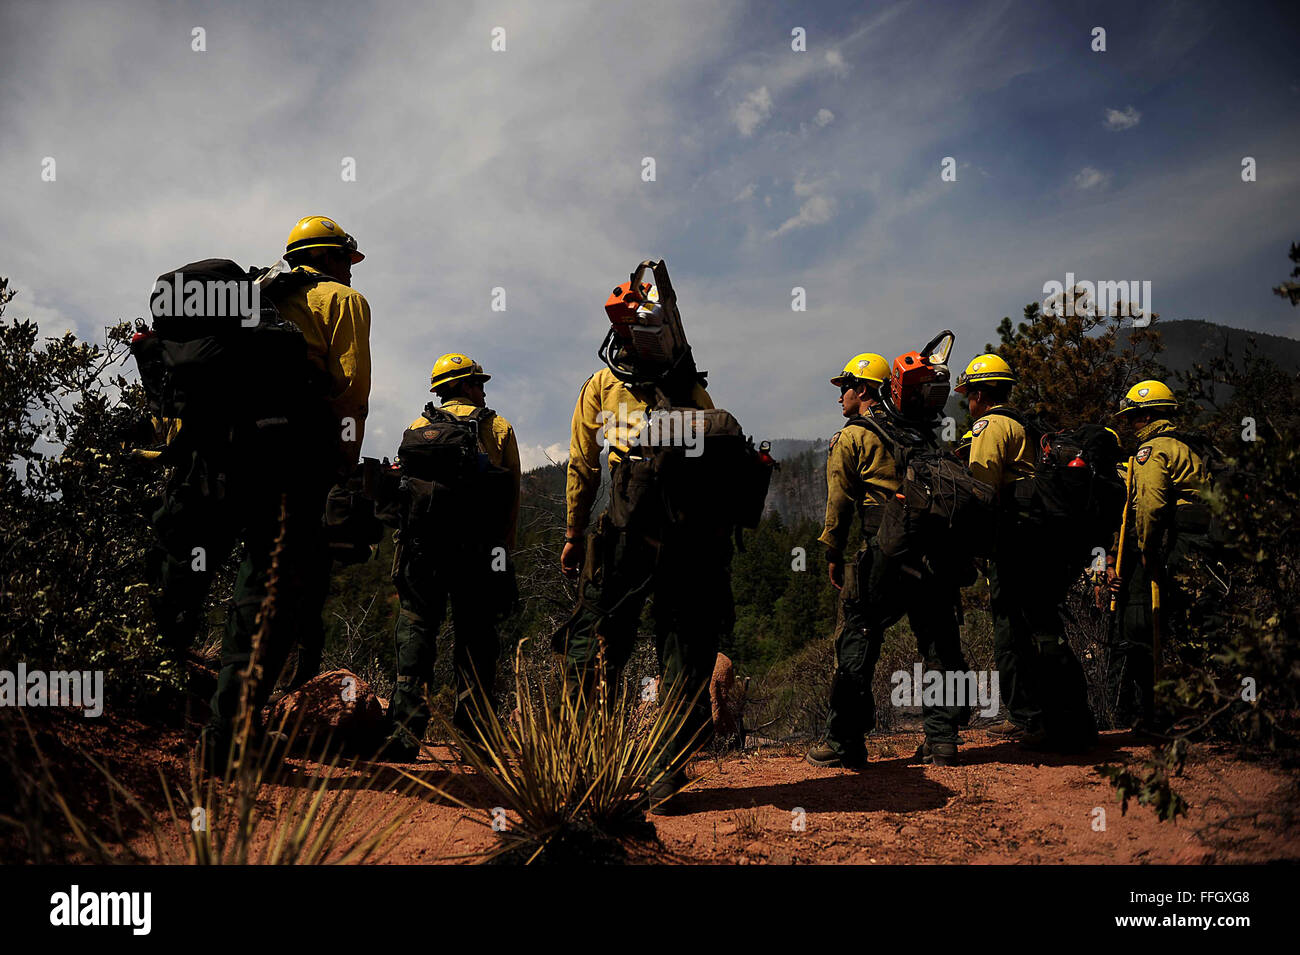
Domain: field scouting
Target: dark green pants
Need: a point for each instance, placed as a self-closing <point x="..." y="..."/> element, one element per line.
<point x="1012" y="646"/>
<point x="877" y="593"/>
<point x="1039" y="675"/>
<point x="302" y="586"/>
<point x="426" y="583"/>
<point x="1131" y="666"/>
<point x="687" y="578"/>
<point x="205" y="510"/>
<point x="195" y="527"/>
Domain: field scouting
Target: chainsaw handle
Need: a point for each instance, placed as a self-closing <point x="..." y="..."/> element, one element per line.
<point x="661" y="281"/>
<point x="934" y="343"/>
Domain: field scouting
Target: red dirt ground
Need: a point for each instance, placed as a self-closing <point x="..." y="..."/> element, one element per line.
<point x="1002" y="805"/>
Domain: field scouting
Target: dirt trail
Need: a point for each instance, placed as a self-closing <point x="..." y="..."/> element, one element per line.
<point x="1002" y="805"/>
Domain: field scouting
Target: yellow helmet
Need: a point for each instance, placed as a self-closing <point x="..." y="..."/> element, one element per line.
<point x="454" y="366"/>
<point x="965" y="442"/>
<point x="1148" y="395"/>
<point x="865" y="367"/>
<point x="982" y="370"/>
<point x="319" y="232"/>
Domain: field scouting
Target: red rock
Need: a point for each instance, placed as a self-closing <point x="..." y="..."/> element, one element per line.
<point x="337" y="705"/>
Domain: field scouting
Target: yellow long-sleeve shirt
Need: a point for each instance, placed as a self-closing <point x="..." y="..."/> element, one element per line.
<point x="1000" y="450"/>
<point x="606" y="410"/>
<point x="497" y="437"/>
<point x="860" y="473"/>
<point x="1167" y="474"/>
<point x="335" y="320"/>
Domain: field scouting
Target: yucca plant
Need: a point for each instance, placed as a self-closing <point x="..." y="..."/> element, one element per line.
<point x="267" y="814"/>
<point x="574" y="770"/>
<point x="259" y="810"/>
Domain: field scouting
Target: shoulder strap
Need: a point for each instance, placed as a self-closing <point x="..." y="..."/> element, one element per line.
<point x="283" y="283"/>
<point x="434" y="413"/>
<point x="897" y="449"/>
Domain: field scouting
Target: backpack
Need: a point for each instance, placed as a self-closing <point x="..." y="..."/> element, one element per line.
<point x="242" y="375"/>
<point x="1075" y="498"/>
<point x="352" y="520"/>
<point x="941" y="516"/>
<point x="448" y="486"/>
<point x="720" y="480"/>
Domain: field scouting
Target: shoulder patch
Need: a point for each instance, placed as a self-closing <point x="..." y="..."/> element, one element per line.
<point x="979" y="426"/>
<point x="1144" y="454"/>
<point x="835" y="437"/>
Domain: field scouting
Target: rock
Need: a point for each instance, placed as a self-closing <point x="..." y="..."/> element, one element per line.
<point x="339" y="706"/>
<point x="728" y="702"/>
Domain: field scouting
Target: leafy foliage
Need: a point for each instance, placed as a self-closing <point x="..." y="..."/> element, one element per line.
<point x="1291" y="290"/>
<point x="72" y="534"/>
<point x="1237" y="676"/>
<point x="1152" y="788"/>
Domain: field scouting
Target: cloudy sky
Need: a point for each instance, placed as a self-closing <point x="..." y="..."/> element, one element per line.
<point x="774" y="169"/>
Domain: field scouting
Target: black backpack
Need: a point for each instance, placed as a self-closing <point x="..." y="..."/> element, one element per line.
<point x="941" y="516"/>
<point x="1075" y="499"/>
<point x="353" y="517"/>
<point x="721" y="481"/>
<point x="243" y="375"/>
<point x="449" y="487"/>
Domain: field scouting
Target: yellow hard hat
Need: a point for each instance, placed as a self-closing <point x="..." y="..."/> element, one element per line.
<point x="1145" y="395"/>
<point x="454" y="366"/>
<point x="320" y="232"/>
<point x="865" y="367"/>
<point x="966" y="440"/>
<point x="984" y="369"/>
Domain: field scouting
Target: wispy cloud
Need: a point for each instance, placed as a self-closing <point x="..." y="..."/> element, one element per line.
<point x="1120" y="119"/>
<point x="816" y="209"/>
<point x="1091" y="178"/>
<point x="753" y="111"/>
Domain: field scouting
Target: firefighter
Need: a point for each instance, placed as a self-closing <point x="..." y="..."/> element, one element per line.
<point x="231" y="489"/>
<point x="464" y="562"/>
<point x="963" y="448"/>
<point x="876" y="591"/>
<point x="1039" y="675"/>
<point x="636" y="550"/>
<point x="1170" y="524"/>
<point x="1000" y="453"/>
